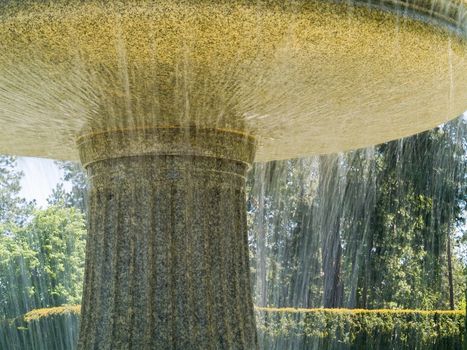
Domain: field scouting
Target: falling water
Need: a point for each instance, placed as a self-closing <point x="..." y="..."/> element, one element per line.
<point x="299" y="78"/>
<point x="321" y="227"/>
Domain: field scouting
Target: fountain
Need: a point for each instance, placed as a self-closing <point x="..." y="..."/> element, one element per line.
<point x="168" y="103"/>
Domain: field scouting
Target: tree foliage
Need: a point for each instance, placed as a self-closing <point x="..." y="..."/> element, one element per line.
<point x="374" y="228"/>
<point x="76" y="197"/>
<point x="41" y="250"/>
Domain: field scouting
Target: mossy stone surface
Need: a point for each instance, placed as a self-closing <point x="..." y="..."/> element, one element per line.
<point x="304" y="76"/>
<point x="167" y="252"/>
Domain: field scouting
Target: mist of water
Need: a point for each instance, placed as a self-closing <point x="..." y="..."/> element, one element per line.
<point x="301" y="78"/>
<point x="316" y="229"/>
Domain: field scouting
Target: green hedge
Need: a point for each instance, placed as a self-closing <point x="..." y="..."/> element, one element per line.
<point x="281" y="329"/>
<point x="360" y="329"/>
<point x="42" y="329"/>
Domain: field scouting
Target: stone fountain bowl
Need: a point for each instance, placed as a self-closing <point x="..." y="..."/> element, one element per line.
<point x="302" y="77"/>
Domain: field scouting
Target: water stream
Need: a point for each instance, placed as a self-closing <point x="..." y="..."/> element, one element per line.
<point x="359" y="227"/>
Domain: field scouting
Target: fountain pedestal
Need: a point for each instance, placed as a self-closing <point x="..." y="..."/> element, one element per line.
<point x="167" y="254"/>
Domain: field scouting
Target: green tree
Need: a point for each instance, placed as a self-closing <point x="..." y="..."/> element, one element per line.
<point x="13" y="208"/>
<point x="42" y="261"/>
<point x="15" y="291"/>
<point x="369" y="228"/>
<point x="74" y="175"/>
<point x="57" y="234"/>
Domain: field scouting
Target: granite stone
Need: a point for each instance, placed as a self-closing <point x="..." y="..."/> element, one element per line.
<point x="167" y="253"/>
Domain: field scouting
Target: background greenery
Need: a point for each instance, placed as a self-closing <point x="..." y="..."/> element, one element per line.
<point x="57" y="328"/>
<point x="382" y="227"/>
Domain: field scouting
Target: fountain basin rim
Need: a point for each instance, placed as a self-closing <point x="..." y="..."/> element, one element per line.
<point x="433" y="15"/>
<point x="84" y="136"/>
<point x="277" y="139"/>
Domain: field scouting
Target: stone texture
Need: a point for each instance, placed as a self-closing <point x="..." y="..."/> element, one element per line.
<point x="304" y="76"/>
<point x="167" y="252"/>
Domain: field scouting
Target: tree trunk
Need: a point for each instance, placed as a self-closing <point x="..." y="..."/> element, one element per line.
<point x="451" y="285"/>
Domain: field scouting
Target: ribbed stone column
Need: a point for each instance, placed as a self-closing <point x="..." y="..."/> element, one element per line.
<point x="167" y="255"/>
